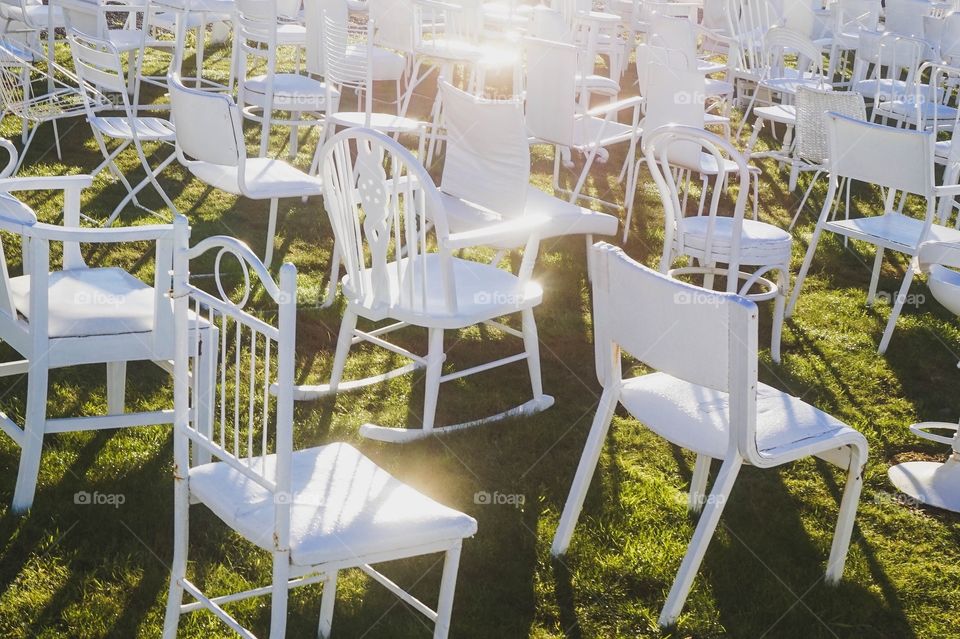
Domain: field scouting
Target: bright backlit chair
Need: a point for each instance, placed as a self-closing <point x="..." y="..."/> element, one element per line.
<point x="703" y="396"/>
<point x="318" y="510"/>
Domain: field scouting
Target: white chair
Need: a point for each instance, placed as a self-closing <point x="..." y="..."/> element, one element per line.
<point x="210" y="144"/>
<point x="75" y="316"/>
<point x="381" y="202"/>
<point x="928" y="103"/>
<point x="554" y="117"/>
<point x="712" y="239"/>
<point x="905" y="17"/>
<point x="703" y="397"/>
<point x="885" y="66"/>
<point x="862" y="151"/>
<point x="178" y="18"/>
<point x="98" y="65"/>
<point x="848" y="18"/>
<point x="316" y="511"/>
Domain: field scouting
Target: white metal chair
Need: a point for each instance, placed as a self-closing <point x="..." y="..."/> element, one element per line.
<point x="210" y="144"/>
<point x="930" y="101"/>
<point x="98" y="65"/>
<point x="381" y="202"/>
<point x="704" y="397"/>
<point x="74" y="316"/>
<point x="849" y="17"/>
<point x="712" y="239"/>
<point x="316" y="511"/>
<point x="862" y="151"/>
<point x="885" y="65"/>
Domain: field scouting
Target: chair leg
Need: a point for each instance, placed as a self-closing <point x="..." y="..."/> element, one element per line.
<point x="698" y="484"/>
<point x="178" y="570"/>
<point x="448" y="586"/>
<point x="347" y="326"/>
<point x="586" y="468"/>
<point x="116" y="387"/>
<point x="331" y="293"/>
<point x="848" y="511"/>
<point x="281" y="592"/>
<point x="33" y="431"/>
<point x="271" y="231"/>
<point x="776" y="331"/>
<point x="807" y="260"/>
<point x="875" y="276"/>
<point x="531" y="345"/>
<point x="701" y="539"/>
<point x="895" y="311"/>
<point x="327" y="601"/>
<point x="435" y="357"/>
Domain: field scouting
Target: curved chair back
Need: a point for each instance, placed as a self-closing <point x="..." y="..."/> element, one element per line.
<point x="208" y="125"/>
<point x="780" y="43"/>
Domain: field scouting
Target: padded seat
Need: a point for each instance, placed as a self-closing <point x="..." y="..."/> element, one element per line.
<point x="32" y="14"/>
<point x="265" y="178"/>
<point x="697" y="418"/>
<point x="892" y="230"/>
<point x="291" y="91"/>
<point x="147" y="129"/>
<point x="91" y="301"/>
<point x="483" y="291"/>
<point x="760" y="243"/>
<point x="343" y="507"/>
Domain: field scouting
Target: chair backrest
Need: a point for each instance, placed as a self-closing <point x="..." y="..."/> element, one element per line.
<point x="98" y="65"/>
<point x="674" y="33"/>
<point x="850" y="16"/>
<point x="488" y="157"/>
<point x="749" y="22"/>
<point x="381" y="201"/>
<point x="347" y="59"/>
<point x="87" y="18"/>
<point x="905" y="17"/>
<point x="313" y="14"/>
<point x="394" y="20"/>
<point x="675" y="96"/>
<point x="207" y="125"/>
<point x="551" y="90"/>
<point x="896" y="159"/>
<point x="233" y="388"/>
<point x="695" y="335"/>
<point x="649" y="55"/>
<point x="950" y="39"/>
<point x="782" y="43"/>
<point x="889" y="56"/>
<point x="812" y="107"/>
<point x="661" y="151"/>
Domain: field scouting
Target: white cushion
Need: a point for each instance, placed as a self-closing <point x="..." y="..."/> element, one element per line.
<point x="265" y="178"/>
<point x="697" y="418"/>
<point x="13" y="209"/>
<point x="91" y="301"/>
<point x="759" y="241"/>
<point x="343" y="506"/>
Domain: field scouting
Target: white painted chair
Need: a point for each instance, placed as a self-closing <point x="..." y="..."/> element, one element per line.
<point x="316" y="511"/>
<point x="885" y="65"/>
<point x="713" y="239"/>
<point x="861" y="151"/>
<point x="704" y="397"/>
<point x="929" y="102"/>
<point x="554" y="117"/>
<point x="848" y="18"/>
<point x="210" y="144"/>
<point x="381" y="202"/>
<point x="74" y="316"/>
<point x="98" y="65"/>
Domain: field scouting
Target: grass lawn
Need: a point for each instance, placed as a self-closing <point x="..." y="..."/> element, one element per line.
<point x="88" y="571"/>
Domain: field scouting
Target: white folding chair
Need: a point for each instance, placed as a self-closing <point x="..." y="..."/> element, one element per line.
<point x="865" y="152"/>
<point x="74" y="316"/>
<point x="317" y="511"/>
<point x="211" y="145"/>
<point x="703" y="396"/>
<point x="381" y="202"/>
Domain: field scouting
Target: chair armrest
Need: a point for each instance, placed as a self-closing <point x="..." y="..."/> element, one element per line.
<point x="45" y="183"/>
<point x="56" y="233"/>
<point x="516" y="231"/>
<point x="612" y="107"/>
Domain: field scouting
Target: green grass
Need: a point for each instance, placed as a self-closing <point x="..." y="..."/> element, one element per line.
<point x="75" y="571"/>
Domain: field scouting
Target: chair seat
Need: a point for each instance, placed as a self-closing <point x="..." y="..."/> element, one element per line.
<point x="717" y="88"/>
<point x="147" y="129"/>
<point x="760" y="243"/>
<point x="697" y="418"/>
<point x="779" y="113"/>
<point x="343" y="507"/>
<point x="483" y="292"/>
<point x="789" y="85"/>
<point x="383" y="122"/>
<point x="601" y="84"/>
<point x="34" y="15"/>
<point x="892" y="230"/>
<point x="586" y="128"/>
<point x="265" y="179"/>
<point x="291" y="91"/>
<point x="91" y="301"/>
<point x="941" y="149"/>
<point x="560" y="216"/>
<point x="884" y="89"/>
<point x="927" y="110"/>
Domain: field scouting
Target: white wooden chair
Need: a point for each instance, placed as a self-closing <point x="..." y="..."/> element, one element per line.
<point x="211" y="145"/>
<point x="704" y="396"/>
<point x="74" y="316"/>
<point x="98" y="65"/>
<point x="381" y="202"/>
<point x="316" y="511"/>
<point x="862" y="151"/>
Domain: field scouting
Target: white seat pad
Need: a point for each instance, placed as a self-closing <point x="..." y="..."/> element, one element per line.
<point x="290" y="91"/>
<point x="147" y="129"/>
<point x="343" y="507"/>
<point x="697" y="418"/>
<point x="265" y="178"/>
<point x="893" y="230"/>
<point x="483" y="292"/>
<point x="759" y="241"/>
<point x="91" y="301"/>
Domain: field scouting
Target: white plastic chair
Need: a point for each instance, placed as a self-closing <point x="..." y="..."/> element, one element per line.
<point x="75" y="316"/>
<point x="316" y="511"/>
<point x="712" y="239"/>
<point x="98" y="65"/>
<point x="381" y="202"/>
<point x="210" y="144"/>
<point x="704" y="397"/>
<point x="862" y="151"/>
